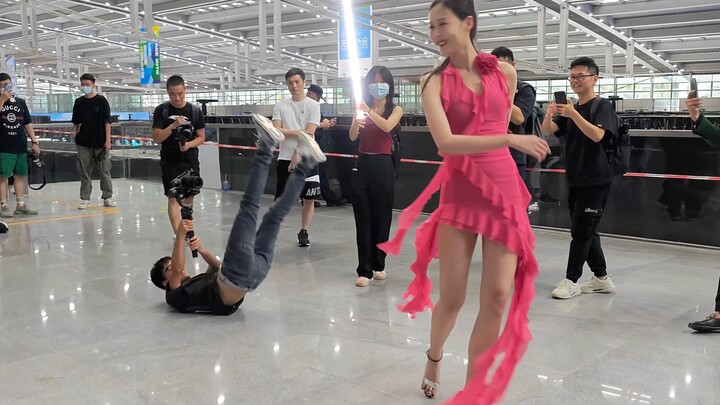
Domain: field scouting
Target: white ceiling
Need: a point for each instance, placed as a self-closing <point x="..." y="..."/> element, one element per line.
<point x="200" y="39"/>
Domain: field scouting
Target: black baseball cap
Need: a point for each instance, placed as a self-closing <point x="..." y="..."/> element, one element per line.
<point x="316" y="89"/>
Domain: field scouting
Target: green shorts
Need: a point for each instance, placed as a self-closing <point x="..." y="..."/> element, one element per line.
<point x="13" y="164"/>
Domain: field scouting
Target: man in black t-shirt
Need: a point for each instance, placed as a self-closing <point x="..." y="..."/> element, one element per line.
<point x="91" y="119"/>
<point x="169" y="119"/>
<point x="15" y="128"/>
<point x="522" y="109"/>
<point x="589" y="176"/>
<point x="250" y="251"/>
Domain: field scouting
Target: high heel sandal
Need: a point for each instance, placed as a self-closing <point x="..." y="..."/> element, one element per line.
<point x="430" y="388"/>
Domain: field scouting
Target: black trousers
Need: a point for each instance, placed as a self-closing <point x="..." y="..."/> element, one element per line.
<point x="717" y="298"/>
<point x="586" y="209"/>
<point x="372" y="200"/>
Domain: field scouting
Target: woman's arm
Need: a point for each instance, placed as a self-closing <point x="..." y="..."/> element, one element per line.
<point x="387" y="125"/>
<point x="450" y="144"/>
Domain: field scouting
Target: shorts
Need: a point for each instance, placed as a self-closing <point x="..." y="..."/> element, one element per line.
<point x="13" y="164"/>
<point x="312" y="183"/>
<point x="170" y="171"/>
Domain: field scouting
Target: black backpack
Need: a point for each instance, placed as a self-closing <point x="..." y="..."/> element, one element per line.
<point x="617" y="148"/>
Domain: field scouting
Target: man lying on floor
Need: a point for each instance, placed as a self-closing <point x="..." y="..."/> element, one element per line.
<point x="249" y="253"/>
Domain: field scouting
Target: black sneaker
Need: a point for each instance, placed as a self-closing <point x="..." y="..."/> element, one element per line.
<point x="303" y="238"/>
<point x="709" y="324"/>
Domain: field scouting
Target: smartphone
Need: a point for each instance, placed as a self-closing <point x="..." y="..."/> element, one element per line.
<point x="694" y="87"/>
<point x="560" y="97"/>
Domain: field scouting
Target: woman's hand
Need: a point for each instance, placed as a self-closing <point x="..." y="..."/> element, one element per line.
<point x="532" y="145"/>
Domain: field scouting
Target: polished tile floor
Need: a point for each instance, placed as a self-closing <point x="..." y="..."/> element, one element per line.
<point x="81" y="324"/>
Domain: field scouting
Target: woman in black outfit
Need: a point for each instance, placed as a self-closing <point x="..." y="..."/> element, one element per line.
<point x="374" y="183"/>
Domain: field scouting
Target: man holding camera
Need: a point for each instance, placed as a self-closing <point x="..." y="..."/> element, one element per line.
<point x="589" y="175"/>
<point x="180" y="127"/>
<point x="91" y="124"/>
<point x="250" y="249"/>
<point x="15" y="127"/>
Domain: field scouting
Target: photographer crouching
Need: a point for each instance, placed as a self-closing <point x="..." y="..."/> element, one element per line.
<point x="180" y="127"/>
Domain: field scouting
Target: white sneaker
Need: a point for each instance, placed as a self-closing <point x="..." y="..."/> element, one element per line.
<point x="379" y="275"/>
<point x="566" y="289"/>
<point x="268" y="128"/>
<point x="310" y="148"/>
<point x="362" y="282"/>
<point x="596" y="285"/>
<point x="109" y="202"/>
<point x="84" y="204"/>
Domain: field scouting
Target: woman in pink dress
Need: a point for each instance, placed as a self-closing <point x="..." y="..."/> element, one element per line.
<point x="467" y="104"/>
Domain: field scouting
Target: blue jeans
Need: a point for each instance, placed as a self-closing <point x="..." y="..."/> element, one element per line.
<point x="249" y="254"/>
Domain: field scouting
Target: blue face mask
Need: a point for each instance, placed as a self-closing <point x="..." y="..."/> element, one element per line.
<point x="86" y="90"/>
<point x="379" y="90"/>
<point x="7" y="87"/>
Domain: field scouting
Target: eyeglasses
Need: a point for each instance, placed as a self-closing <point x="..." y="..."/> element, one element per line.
<point x="579" y="78"/>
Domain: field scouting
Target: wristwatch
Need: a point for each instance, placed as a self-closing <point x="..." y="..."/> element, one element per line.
<point x="35" y="142"/>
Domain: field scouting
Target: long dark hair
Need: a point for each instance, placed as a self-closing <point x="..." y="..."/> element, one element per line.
<point x="462" y="9"/>
<point x="387" y="77"/>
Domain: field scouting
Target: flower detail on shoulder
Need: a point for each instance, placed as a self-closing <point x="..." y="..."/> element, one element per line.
<point x="486" y="63"/>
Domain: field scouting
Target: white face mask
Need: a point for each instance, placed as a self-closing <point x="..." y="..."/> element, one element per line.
<point x="86" y="90"/>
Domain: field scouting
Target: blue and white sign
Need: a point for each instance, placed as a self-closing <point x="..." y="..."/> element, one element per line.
<point x="363" y="37"/>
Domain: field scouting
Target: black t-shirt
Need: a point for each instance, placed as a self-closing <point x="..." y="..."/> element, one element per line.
<point x="587" y="163"/>
<point x="525" y="100"/>
<point x="91" y="114"/>
<point x="13" y="118"/>
<point x="200" y="294"/>
<point x="170" y="149"/>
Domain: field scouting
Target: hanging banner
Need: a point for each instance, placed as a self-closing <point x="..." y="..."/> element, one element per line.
<point x="363" y="36"/>
<point x="150" y="59"/>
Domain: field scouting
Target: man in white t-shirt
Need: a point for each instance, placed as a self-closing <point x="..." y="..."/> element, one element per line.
<point x="293" y="116"/>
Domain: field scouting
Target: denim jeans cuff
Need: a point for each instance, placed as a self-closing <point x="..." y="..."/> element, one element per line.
<point x="223" y="279"/>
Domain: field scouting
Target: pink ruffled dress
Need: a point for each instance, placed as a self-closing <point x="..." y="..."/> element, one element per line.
<point x="482" y="194"/>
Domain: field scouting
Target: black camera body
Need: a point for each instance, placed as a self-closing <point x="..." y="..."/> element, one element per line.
<point x="35" y="159"/>
<point x="185" y="185"/>
<point x="184" y="133"/>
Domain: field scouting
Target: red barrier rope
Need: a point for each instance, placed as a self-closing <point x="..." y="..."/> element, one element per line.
<point x="416" y="161"/>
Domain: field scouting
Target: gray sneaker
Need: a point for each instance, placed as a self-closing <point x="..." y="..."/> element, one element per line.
<point x="25" y="210"/>
<point x="6" y="212"/>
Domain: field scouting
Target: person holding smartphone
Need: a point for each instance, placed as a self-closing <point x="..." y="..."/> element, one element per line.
<point x="589" y="175"/>
<point x="711" y="133"/>
<point x="91" y="125"/>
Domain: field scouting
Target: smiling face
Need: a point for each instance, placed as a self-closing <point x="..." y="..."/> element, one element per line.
<point x="449" y="32"/>
<point x="582" y="80"/>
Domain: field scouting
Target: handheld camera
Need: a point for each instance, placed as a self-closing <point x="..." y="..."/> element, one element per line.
<point x="182" y="187"/>
<point x="184" y="133"/>
<point x="35" y="159"/>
